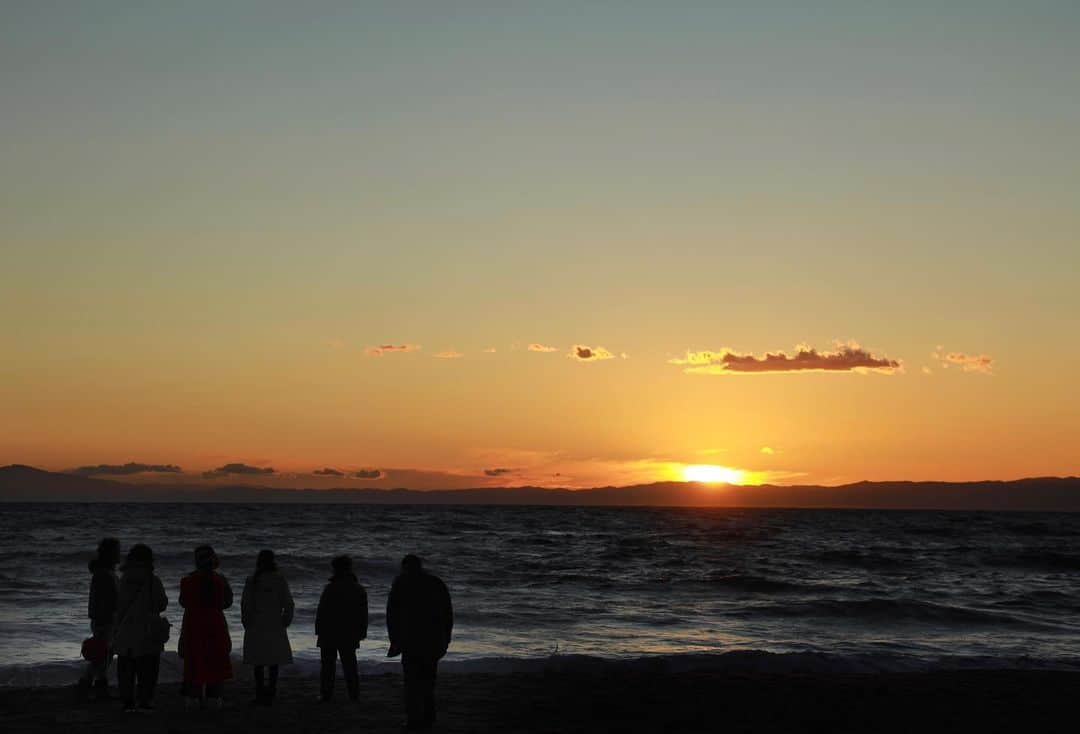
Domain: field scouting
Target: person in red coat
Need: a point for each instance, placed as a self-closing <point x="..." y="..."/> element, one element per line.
<point x="204" y="635"/>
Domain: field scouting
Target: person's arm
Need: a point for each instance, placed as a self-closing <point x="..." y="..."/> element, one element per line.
<point x="91" y="606"/>
<point x="227" y="594"/>
<point x="245" y="603"/>
<point x="288" y="606"/>
<point x="161" y="601"/>
<point x="448" y="613"/>
<point x="319" y="614"/>
<point x="391" y="615"/>
<point x="363" y="613"/>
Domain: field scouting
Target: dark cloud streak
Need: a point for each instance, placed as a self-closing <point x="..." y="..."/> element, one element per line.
<point x="125" y="469"/>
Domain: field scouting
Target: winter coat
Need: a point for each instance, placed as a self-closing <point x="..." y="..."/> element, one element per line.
<point x="266" y="609"/>
<point x="104" y="588"/>
<point x="140" y="601"/>
<point x="204" y="634"/>
<point x="419" y="615"/>
<point x="341" y="620"/>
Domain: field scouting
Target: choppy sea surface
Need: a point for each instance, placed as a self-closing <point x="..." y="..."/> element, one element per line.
<point x="543" y="587"/>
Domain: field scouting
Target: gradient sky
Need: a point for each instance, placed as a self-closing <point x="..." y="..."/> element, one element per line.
<point x="210" y="213"/>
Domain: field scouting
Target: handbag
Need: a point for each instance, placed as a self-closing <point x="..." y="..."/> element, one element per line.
<point x="95" y="650"/>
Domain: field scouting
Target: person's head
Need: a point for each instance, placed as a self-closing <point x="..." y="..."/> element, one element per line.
<point x="205" y="559"/>
<point x="108" y="551"/>
<point x="342" y="566"/>
<point x="265" y="562"/>
<point x="411" y="564"/>
<point x="140" y="555"/>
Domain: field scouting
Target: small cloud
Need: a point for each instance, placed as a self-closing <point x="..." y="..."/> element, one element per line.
<point x="450" y="354"/>
<point x="534" y="347"/>
<point x="242" y="469"/>
<point x="848" y="357"/>
<point x="391" y="349"/>
<point x="582" y="353"/>
<point x="624" y="355"/>
<point x="328" y="472"/>
<point x="927" y="371"/>
<point x="497" y="472"/>
<point x="769" y="450"/>
<point x="980" y="363"/>
<point x="368" y="474"/>
<point x="131" y="467"/>
<point x="489" y="350"/>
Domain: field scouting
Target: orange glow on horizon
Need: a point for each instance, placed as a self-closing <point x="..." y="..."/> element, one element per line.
<point x="713" y="474"/>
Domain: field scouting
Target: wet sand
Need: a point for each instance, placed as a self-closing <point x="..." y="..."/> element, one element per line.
<point x="619" y="701"/>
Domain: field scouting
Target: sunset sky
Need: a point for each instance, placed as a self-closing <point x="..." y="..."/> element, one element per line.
<point x="466" y="244"/>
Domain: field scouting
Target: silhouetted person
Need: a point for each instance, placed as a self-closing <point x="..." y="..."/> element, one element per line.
<point x="204" y="636"/>
<point x="101" y="610"/>
<point x="419" y="622"/>
<point x="266" y="610"/>
<point x="138" y="632"/>
<point x="341" y="621"/>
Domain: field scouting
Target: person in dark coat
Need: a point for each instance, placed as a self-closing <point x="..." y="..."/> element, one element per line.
<point x="137" y="633"/>
<point x="341" y="621"/>
<point x="101" y="608"/>
<point x="419" y="622"/>
<point x="204" y="634"/>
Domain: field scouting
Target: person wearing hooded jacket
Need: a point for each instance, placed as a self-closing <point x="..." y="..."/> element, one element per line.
<point x="341" y="621"/>
<point x="100" y="609"/>
<point x="136" y="635"/>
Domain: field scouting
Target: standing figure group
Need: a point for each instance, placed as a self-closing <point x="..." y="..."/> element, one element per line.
<point x="125" y="620"/>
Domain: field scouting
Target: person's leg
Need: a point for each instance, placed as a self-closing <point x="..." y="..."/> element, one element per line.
<point x="260" y="685"/>
<point x="327" y="671"/>
<point x="412" y="668"/>
<point x="271" y="690"/>
<point x="430" y="673"/>
<point x="125" y="675"/>
<point x="147" y="669"/>
<point x="352" y="676"/>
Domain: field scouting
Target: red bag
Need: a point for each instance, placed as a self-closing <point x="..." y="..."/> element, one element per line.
<point x="95" y="649"/>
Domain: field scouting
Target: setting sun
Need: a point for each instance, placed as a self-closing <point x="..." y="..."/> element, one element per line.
<point x="713" y="474"/>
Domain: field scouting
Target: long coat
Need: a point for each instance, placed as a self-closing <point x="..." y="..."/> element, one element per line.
<point x="341" y="620"/>
<point x="419" y="615"/>
<point x="139" y="602"/>
<point x="266" y="609"/>
<point x="204" y="635"/>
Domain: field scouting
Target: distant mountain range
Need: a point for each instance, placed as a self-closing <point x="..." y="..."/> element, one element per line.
<point x="26" y="484"/>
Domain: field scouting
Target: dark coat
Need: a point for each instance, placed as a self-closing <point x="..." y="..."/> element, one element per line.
<point x="266" y="610"/>
<point x="419" y="615"/>
<point x="341" y="620"/>
<point x="204" y="633"/>
<point x="104" y="589"/>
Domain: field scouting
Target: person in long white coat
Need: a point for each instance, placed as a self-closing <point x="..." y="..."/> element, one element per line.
<point x="266" y="610"/>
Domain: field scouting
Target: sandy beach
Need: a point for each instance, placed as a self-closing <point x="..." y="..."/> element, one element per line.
<point x="619" y="701"/>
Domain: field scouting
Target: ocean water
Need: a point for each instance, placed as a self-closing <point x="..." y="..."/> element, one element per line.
<point x="556" y="586"/>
